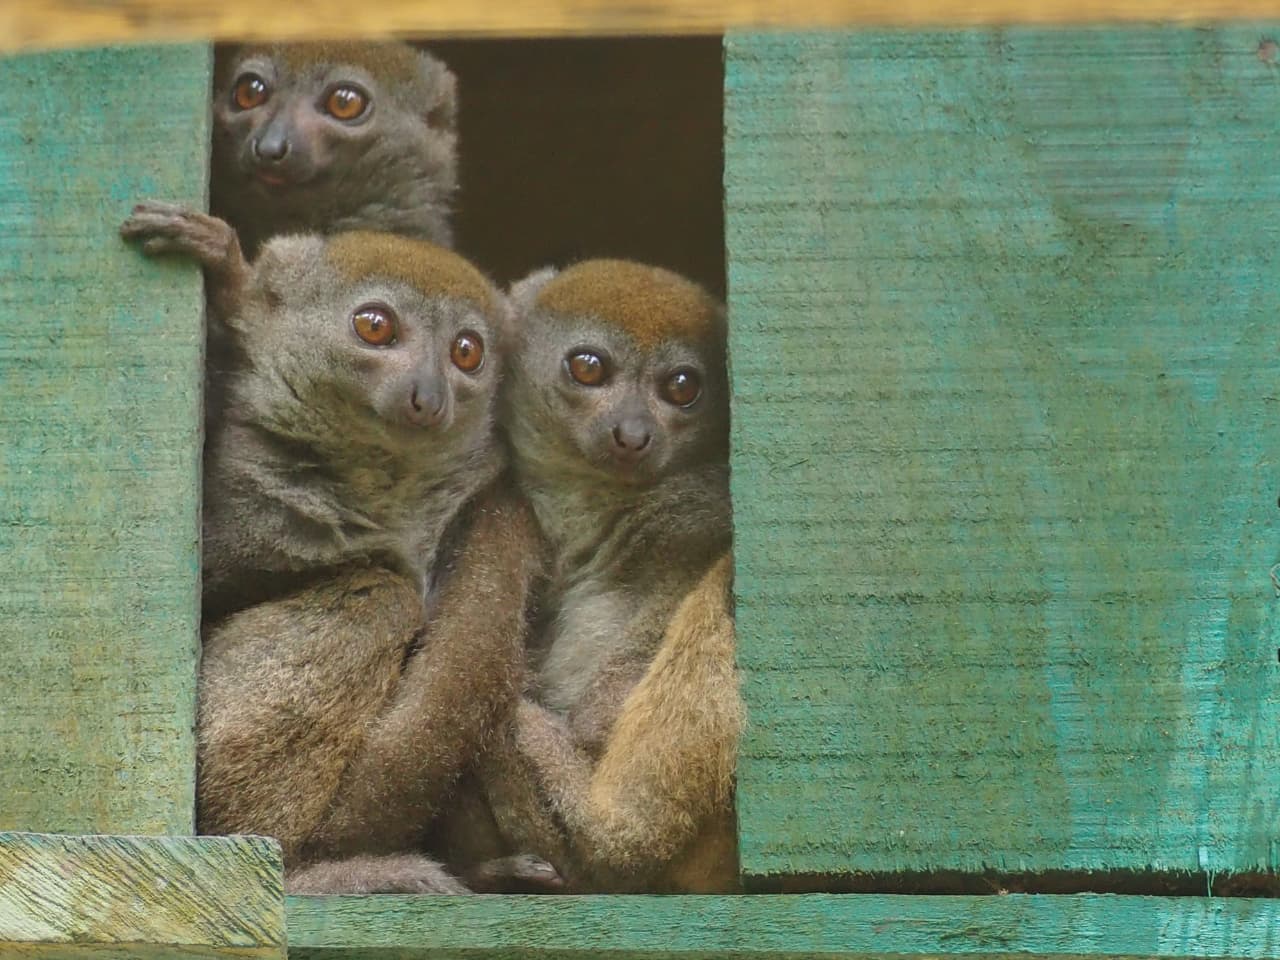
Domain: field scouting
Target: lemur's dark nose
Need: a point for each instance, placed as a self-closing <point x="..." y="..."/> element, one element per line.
<point x="426" y="405"/>
<point x="632" y="436"/>
<point x="272" y="146"/>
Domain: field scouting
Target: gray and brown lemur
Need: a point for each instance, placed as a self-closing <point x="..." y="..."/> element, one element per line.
<point x="366" y="577"/>
<point x="330" y="137"/>
<point x="322" y="138"/>
<point x="619" y="768"/>
<point x="357" y="415"/>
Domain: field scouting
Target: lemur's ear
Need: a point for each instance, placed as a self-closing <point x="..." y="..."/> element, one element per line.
<point x="441" y="107"/>
<point x="288" y="259"/>
<point x="283" y="263"/>
<point x="524" y="292"/>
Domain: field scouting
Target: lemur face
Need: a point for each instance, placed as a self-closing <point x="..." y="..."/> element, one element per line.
<point x="290" y="117"/>
<point x="377" y="333"/>
<point x="622" y="372"/>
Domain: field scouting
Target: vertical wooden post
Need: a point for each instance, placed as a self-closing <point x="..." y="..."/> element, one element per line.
<point x="100" y="431"/>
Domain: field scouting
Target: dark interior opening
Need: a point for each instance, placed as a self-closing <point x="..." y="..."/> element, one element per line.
<point x="577" y="148"/>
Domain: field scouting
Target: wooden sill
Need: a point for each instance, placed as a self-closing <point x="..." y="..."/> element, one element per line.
<point x="159" y="898"/>
<point x="840" y="925"/>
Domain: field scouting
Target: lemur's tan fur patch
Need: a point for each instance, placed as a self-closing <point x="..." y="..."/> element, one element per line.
<point x="391" y="63"/>
<point x="427" y="267"/>
<point x="651" y="304"/>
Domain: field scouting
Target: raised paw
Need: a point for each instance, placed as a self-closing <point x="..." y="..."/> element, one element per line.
<point x="171" y="228"/>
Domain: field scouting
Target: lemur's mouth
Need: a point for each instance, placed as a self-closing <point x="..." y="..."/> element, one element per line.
<point x="630" y="470"/>
<point x="271" y="179"/>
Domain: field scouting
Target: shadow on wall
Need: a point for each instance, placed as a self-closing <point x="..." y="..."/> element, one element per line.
<point x="585" y="148"/>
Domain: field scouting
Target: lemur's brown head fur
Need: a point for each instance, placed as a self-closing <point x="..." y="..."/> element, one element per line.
<point x="390" y="63"/>
<point x="650" y="304"/>
<point x="431" y="269"/>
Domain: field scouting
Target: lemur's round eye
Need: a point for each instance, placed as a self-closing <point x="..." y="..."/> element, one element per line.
<point x="375" y="324"/>
<point x="250" y="91"/>
<point x="467" y="352"/>
<point x="682" y="388"/>
<point x="587" y="368"/>
<point x="345" y="102"/>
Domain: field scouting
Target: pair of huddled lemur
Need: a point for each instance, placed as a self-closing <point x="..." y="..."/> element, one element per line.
<point x="466" y="554"/>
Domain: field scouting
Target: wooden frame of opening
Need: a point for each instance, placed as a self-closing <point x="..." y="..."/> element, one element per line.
<point x="99" y="538"/>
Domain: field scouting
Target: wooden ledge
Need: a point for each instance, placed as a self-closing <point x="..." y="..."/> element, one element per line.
<point x="140" y="897"/>
<point x="60" y="23"/>
<point x="848" y="925"/>
<point x="218" y="897"/>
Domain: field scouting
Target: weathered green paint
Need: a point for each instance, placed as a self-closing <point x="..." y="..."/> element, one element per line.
<point x="140" y="897"/>
<point x="851" y="925"/>
<point x="100" y="364"/>
<point x="1004" y="314"/>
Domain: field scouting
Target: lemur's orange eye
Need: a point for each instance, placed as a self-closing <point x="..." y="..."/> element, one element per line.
<point x="587" y="368"/>
<point x="346" y="102"/>
<point x="682" y="388"/>
<point x="467" y="352"/>
<point x="250" y="91"/>
<point x="375" y="324"/>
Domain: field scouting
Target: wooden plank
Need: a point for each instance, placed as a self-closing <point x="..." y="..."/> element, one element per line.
<point x="58" y="23"/>
<point x="859" y="926"/>
<point x="140" y="897"/>
<point x="100" y="366"/>
<point x="1005" y="412"/>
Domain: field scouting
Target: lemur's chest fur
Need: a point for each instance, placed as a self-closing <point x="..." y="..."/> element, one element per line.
<point x="590" y="619"/>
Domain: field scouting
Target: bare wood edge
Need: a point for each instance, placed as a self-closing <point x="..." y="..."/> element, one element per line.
<point x="141" y="896"/>
<point x="37" y="24"/>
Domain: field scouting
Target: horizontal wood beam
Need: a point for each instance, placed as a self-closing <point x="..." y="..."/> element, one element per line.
<point x="140" y="897"/>
<point x="59" y="23"/>
<point x="850" y="925"/>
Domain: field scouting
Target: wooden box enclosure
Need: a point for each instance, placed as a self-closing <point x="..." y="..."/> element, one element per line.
<point x="1004" y="454"/>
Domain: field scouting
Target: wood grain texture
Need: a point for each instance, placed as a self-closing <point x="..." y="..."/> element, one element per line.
<point x="405" y="928"/>
<point x="59" y="23"/>
<point x="100" y="365"/>
<point x="1005" y="436"/>
<point x="140" y="897"/>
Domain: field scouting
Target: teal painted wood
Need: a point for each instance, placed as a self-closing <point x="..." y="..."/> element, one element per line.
<point x="141" y="897"/>
<point x="860" y="926"/>
<point x="100" y="372"/>
<point x="1004" y="354"/>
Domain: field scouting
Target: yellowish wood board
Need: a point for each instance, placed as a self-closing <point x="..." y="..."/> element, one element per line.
<point x="140" y="897"/>
<point x="59" y="23"/>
